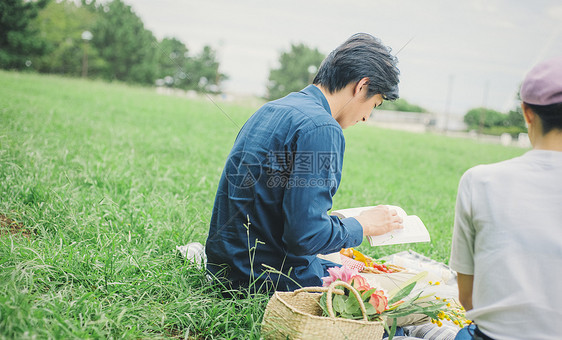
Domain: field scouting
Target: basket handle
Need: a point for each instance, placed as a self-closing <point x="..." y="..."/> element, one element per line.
<point x="318" y="290"/>
<point x="331" y="289"/>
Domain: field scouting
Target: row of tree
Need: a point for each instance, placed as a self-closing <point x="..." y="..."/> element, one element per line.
<point x="102" y="40"/>
<point x="298" y="66"/>
<point x="109" y="41"/>
<point x="495" y="123"/>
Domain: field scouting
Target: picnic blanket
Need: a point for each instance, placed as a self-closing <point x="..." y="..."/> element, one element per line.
<point x="416" y="327"/>
<point x="437" y="272"/>
<point x="430" y="331"/>
<point x="412" y="261"/>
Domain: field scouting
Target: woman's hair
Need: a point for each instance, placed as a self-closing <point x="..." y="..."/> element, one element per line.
<point x="550" y="115"/>
<point x="362" y="55"/>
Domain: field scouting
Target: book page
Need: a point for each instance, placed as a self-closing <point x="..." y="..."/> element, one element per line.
<point x="351" y="212"/>
<point x="414" y="230"/>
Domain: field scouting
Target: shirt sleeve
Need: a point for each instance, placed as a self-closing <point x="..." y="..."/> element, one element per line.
<point x="308" y="229"/>
<point x="462" y="248"/>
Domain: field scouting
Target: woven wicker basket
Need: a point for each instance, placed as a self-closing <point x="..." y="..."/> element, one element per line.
<point x="298" y="315"/>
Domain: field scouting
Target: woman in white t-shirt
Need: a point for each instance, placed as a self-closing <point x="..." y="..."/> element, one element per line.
<point x="507" y="239"/>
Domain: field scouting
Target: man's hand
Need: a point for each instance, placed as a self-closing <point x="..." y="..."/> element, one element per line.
<point x="379" y="220"/>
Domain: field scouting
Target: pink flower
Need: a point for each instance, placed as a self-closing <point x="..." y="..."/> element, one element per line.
<point x="379" y="301"/>
<point x="360" y="283"/>
<point x="339" y="273"/>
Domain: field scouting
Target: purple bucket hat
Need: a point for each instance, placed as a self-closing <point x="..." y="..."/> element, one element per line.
<point x="543" y="84"/>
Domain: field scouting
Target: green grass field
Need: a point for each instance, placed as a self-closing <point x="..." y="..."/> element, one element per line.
<point x="104" y="180"/>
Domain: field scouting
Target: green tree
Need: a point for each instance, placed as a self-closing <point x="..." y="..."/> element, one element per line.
<point x="515" y="118"/>
<point x="205" y="71"/>
<point x="177" y="69"/>
<point x="484" y="117"/>
<point x="61" y="25"/>
<point x="297" y="69"/>
<point x="128" y="49"/>
<point x="173" y="62"/>
<point x="19" y="42"/>
<point x="492" y="122"/>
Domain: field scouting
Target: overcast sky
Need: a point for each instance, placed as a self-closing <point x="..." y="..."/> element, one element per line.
<point x="483" y="48"/>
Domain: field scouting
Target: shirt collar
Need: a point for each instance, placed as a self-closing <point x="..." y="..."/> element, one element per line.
<point x="545" y="154"/>
<point x="314" y="91"/>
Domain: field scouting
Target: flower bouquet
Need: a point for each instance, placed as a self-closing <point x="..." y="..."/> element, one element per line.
<point x="382" y="306"/>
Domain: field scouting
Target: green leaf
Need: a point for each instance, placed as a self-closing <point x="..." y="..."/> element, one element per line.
<point x="432" y="315"/>
<point x="393" y="329"/>
<point x="405" y="313"/>
<point x="371" y="310"/>
<point x="386" y="328"/>
<point x="338" y="303"/>
<point x="348" y="316"/>
<point x="352" y="305"/>
<point x="433" y="308"/>
<point x="323" y="305"/>
<point x="415" y="278"/>
<point x="408" y="303"/>
<point x="402" y="293"/>
<point x="366" y="295"/>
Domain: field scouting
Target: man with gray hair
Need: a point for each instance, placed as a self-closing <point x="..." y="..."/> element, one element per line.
<point x="270" y="217"/>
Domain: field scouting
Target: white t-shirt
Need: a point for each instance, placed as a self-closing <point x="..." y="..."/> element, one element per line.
<point x="508" y="234"/>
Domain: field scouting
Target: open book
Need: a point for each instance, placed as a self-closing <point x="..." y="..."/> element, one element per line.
<point x="414" y="230"/>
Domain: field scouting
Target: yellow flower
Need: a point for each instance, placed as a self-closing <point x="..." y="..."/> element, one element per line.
<point x="437" y="283"/>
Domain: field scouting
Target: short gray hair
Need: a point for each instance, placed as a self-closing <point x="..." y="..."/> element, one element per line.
<point x="360" y="56"/>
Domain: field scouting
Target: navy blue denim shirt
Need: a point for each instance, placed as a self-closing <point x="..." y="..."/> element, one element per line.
<point x="273" y="198"/>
